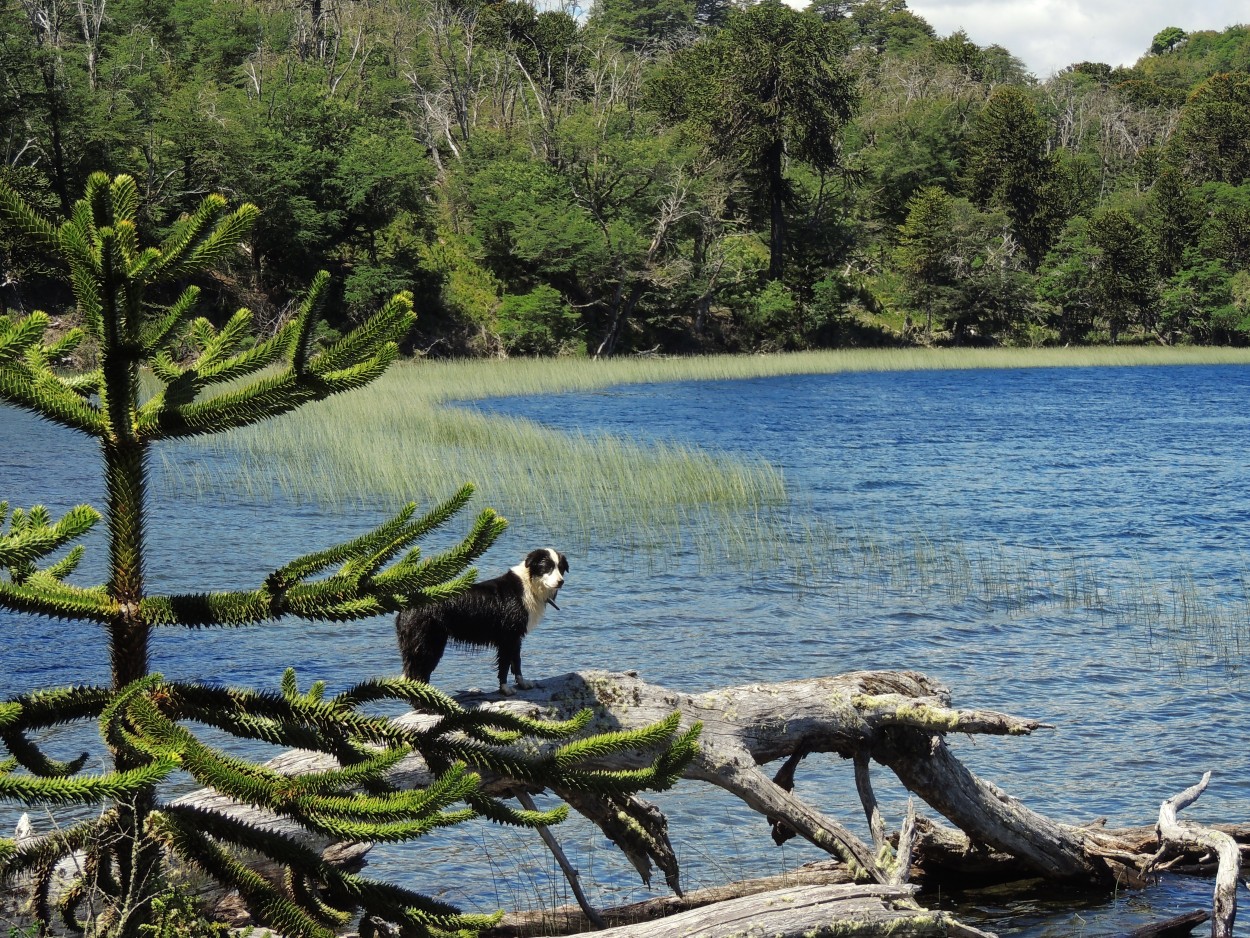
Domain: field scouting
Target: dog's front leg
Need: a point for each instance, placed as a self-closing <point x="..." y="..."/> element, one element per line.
<point x="510" y="659"/>
<point x="521" y="682"/>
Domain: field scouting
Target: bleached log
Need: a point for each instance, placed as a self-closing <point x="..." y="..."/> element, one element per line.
<point x="900" y="718"/>
<point x="1174" y="927"/>
<point x="569" y="919"/>
<point x="1176" y="833"/>
<point x="853" y="909"/>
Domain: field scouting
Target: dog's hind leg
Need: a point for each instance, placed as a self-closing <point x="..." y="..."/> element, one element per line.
<point x="421" y="647"/>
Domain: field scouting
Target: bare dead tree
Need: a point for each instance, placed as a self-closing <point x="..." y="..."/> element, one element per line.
<point x="91" y="19"/>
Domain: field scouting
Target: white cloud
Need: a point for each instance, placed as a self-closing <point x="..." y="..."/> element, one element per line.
<point x="1047" y="35"/>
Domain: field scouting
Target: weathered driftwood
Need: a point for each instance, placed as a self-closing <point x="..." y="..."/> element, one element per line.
<point x="1175" y="927"/>
<point x="1176" y="834"/>
<point x="570" y="920"/>
<point x="899" y="719"/>
<point x="797" y="912"/>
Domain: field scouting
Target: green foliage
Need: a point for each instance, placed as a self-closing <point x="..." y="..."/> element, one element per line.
<point x="468" y="152"/>
<point x="1174" y="216"/>
<point x="1210" y="140"/>
<point x="526" y="221"/>
<point x="1123" y="271"/>
<point x="1011" y="169"/>
<point x="537" y="323"/>
<point x="915" y="146"/>
<point x="176" y="915"/>
<point x="636" y="24"/>
<point x="771" y="82"/>
<point x="1198" y="56"/>
<point x="991" y="65"/>
<point x="208" y="378"/>
<point x="885" y="26"/>
<point x="1225" y="233"/>
<point x="925" y="248"/>
<point x="544" y="44"/>
<point x="1198" y="304"/>
<point x="1166" y="40"/>
<point x="1065" y="282"/>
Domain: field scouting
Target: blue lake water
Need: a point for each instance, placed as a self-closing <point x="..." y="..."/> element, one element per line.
<point x="1119" y="496"/>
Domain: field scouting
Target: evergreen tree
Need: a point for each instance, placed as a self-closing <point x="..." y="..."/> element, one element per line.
<point x="1124" y="277"/>
<point x="925" y="245"/>
<point x="228" y="380"/>
<point x="636" y="24"/>
<point x="1174" y="217"/>
<point x="1011" y="168"/>
<point x="1166" y="40"/>
<point x="769" y="87"/>
<point x="1065" y="282"/>
<point x="1210" y="139"/>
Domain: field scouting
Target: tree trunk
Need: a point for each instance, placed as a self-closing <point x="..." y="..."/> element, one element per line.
<point x="774" y="160"/>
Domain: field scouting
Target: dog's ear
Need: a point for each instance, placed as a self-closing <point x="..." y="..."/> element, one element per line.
<point x="564" y="562"/>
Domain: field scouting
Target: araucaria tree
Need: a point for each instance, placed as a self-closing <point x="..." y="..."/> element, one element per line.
<point x="769" y="87"/>
<point x="207" y="380"/>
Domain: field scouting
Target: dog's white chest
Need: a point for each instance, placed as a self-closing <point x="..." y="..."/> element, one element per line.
<point x="534" y="596"/>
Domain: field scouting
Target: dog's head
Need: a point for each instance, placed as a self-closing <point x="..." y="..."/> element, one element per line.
<point x="546" y="568"/>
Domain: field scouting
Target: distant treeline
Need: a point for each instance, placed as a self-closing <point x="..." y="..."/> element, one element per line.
<point x="669" y="175"/>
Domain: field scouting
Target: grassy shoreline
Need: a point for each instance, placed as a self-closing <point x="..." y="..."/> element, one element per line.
<point x="402" y="439"/>
<point x="399" y="439"/>
<point x="482" y="378"/>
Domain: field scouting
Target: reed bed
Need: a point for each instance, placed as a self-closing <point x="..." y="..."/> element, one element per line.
<point x="477" y="379"/>
<point x="405" y="438"/>
<point x="366" y="450"/>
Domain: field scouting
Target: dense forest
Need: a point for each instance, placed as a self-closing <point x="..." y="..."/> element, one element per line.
<point x="652" y="175"/>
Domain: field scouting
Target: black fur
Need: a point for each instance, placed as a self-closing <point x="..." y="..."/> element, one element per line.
<point x="492" y="613"/>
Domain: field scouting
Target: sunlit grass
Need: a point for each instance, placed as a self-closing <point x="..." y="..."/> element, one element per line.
<point x="398" y="440"/>
<point x="477" y="379"/>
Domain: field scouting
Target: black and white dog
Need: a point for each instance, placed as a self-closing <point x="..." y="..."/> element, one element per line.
<point x="496" y="613"/>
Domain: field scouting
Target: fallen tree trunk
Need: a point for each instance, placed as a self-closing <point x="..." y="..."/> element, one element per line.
<point x="803" y="911"/>
<point x="899" y="719"/>
<point x="569" y="919"/>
